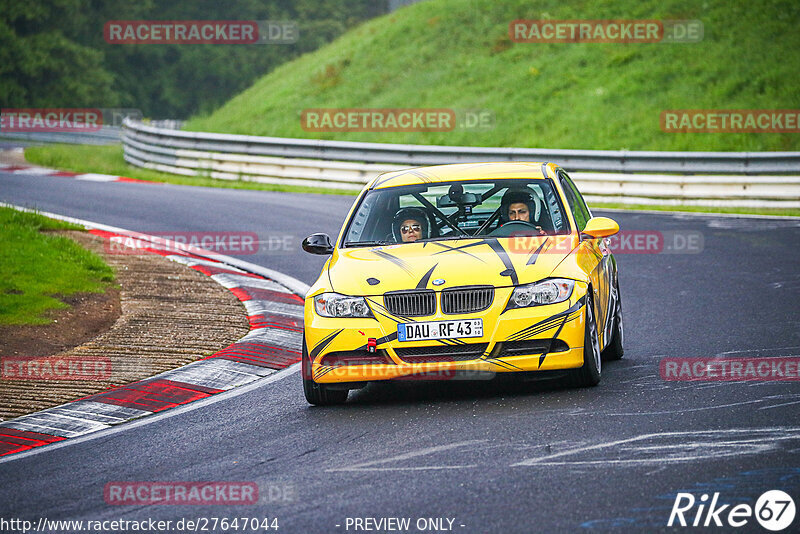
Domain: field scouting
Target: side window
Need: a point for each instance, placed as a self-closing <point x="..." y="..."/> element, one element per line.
<point x="359" y="223"/>
<point x="559" y="219"/>
<point x="579" y="198"/>
<point x="575" y="201"/>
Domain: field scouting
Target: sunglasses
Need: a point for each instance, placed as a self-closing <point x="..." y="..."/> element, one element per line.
<point x="413" y="227"/>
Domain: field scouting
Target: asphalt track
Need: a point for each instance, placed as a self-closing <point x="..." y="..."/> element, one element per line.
<point x="491" y="456"/>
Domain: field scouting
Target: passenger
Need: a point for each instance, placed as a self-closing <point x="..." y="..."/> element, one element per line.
<point x="410" y="230"/>
<point x="410" y="224"/>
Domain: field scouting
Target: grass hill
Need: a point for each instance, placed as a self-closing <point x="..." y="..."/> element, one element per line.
<point x="457" y="54"/>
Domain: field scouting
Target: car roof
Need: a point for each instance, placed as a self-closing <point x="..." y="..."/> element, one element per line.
<point x="462" y="171"/>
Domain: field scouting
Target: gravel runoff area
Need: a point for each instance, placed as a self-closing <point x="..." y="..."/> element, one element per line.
<point x="171" y="315"/>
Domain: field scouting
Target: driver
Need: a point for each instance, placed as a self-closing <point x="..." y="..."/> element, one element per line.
<point x="521" y="205"/>
<point x="519" y="211"/>
<point x="410" y="224"/>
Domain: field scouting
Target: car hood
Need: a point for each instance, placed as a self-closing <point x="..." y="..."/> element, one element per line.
<point x="443" y="264"/>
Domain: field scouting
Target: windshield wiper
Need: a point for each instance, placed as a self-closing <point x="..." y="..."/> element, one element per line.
<point x="452" y="237"/>
<point x="349" y="244"/>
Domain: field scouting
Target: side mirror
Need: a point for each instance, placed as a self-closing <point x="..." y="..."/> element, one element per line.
<point x="600" y="227"/>
<point x="318" y="244"/>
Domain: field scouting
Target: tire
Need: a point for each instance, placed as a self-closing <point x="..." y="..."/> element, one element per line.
<point x="615" y="349"/>
<point x="589" y="374"/>
<point x="319" y="394"/>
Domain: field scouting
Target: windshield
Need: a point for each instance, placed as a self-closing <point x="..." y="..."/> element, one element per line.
<point x="457" y="210"/>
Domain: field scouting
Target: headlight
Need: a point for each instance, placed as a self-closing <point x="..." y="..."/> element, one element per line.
<point x="336" y="305"/>
<point x="539" y="293"/>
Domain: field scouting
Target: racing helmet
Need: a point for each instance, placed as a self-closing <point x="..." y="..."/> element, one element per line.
<point x="525" y="196"/>
<point x="404" y="214"/>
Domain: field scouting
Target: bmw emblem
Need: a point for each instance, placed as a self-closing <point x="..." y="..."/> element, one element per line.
<point x="438" y="281"/>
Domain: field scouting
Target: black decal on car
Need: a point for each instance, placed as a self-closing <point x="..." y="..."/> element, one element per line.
<point x="423" y="282"/>
<point x="324" y="343"/>
<point x="503" y="255"/>
<point x="535" y="255"/>
<point x="397" y="261"/>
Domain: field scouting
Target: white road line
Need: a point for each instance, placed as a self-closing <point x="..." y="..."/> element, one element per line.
<point x="721" y="355"/>
<point x="426" y="468"/>
<point x="367" y="466"/>
<point x="701" y="444"/>
<point x="703" y="408"/>
<point x="654" y="471"/>
<point x="779" y="405"/>
<point x="546" y="460"/>
<point x="761" y="350"/>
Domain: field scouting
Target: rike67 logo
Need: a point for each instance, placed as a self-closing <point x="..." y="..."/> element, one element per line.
<point x="774" y="510"/>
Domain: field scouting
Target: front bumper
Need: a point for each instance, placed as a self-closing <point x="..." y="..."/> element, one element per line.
<point x="516" y="340"/>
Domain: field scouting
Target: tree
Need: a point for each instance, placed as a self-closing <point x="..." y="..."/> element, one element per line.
<point x="53" y="53"/>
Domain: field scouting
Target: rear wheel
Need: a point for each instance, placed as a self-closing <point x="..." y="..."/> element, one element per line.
<point x="589" y="374"/>
<point x="614" y="351"/>
<point x="319" y="394"/>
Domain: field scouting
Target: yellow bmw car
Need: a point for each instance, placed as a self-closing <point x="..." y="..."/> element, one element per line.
<point x="462" y="270"/>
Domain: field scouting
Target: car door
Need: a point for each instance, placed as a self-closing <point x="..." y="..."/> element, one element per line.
<point x="596" y="248"/>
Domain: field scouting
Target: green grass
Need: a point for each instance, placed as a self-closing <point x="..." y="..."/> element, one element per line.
<point x="457" y="54"/>
<point x="107" y="159"/>
<point x="777" y="212"/>
<point x="36" y="267"/>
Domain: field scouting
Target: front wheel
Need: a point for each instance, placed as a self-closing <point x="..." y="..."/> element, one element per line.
<point x="589" y="374"/>
<point x="318" y="394"/>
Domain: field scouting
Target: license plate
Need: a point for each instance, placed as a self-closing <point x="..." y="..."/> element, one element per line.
<point x="440" y="330"/>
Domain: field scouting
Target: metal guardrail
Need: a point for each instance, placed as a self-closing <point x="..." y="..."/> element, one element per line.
<point x="349" y="165"/>
<point x="107" y="135"/>
<point x="414" y="155"/>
